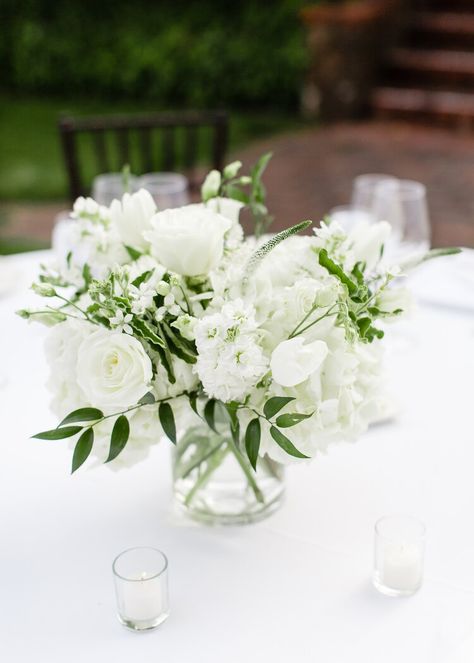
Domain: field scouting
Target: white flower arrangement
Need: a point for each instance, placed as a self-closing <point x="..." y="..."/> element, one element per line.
<point x="160" y="317"/>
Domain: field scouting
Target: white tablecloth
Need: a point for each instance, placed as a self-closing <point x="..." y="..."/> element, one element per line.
<point x="293" y="588"/>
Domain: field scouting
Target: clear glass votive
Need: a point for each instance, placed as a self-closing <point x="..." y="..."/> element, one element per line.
<point x="112" y="186"/>
<point x="399" y="555"/>
<point x="168" y="190"/>
<point x="141" y="586"/>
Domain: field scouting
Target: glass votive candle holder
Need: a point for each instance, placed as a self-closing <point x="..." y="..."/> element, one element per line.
<point x="399" y="555"/>
<point x="141" y="586"/>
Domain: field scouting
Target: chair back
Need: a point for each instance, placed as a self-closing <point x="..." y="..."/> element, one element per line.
<point x="171" y="141"/>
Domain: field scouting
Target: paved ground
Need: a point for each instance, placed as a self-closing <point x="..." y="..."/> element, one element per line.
<point x="312" y="171"/>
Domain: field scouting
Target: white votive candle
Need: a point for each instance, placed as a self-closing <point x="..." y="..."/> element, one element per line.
<point x="142" y="596"/>
<point x="399" y="554"/>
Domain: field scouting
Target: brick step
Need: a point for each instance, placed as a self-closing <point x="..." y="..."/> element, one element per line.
<point x="440" y="30"/>
<point x="436" y="68"/>
<point x="446" y="5"/>
<point x="437" y="106"/>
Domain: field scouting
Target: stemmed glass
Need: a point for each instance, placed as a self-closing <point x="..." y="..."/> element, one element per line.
<point x="403" y="204"/>
<point x="364" y="188"/>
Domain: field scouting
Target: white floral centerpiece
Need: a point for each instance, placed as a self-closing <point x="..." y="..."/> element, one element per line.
<point x="246" y="352"/>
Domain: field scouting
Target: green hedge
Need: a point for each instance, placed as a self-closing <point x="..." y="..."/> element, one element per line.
<point x="195" y="52"/>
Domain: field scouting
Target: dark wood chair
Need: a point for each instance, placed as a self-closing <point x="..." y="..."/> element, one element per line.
<point x="171" y="141"/>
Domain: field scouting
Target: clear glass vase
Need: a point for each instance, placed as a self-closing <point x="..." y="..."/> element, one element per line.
<point x="214" y="482"/>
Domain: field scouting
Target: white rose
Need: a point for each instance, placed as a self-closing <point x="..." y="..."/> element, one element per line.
<point x="132" y="215"/>
<point x="61" y="348"/>
<point x="188" y="240"/>
<point x="228" y="207"/>
<point x="366" y="241"/>
<point x="113" y="369"/>
<point x="293" y="362"/>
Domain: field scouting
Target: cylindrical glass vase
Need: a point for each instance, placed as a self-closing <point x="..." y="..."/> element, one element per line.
<point x="214" y="482"/>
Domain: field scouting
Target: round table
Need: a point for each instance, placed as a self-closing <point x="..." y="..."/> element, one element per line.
<point x="295" y="587"/>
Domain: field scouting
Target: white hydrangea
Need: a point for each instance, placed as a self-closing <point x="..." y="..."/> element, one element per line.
<point x="230" y="358"/>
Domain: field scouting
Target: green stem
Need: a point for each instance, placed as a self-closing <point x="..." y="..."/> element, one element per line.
<point x="247" y="470"/>
<point x="206" y="475"/>
<point x="201" y="460"/>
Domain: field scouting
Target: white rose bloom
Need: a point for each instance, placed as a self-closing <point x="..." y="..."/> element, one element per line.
<point x="293" y="362"/>
<point x="227" y="207"/>
<point x="61" y="348"/>
<point x="188" y="240"/>
<point x="113" y="369"/>
<point x="132" y="216"/>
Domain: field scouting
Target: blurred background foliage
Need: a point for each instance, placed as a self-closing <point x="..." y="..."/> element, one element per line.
<point x="175" y="52"/>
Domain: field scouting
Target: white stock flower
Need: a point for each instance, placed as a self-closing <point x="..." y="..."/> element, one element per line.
<point x="113" y="369"/>
<point x="230" y="359"/>
<point x="88" y="208"/>
<point x="188" y="240"/>
<point x="132" y="215"/>
<point x="292" y="361"/>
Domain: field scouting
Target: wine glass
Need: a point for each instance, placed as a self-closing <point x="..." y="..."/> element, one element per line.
<point x="403" y="204"/>
<point x="110" y="186"/>
<point x="167" y="189"/>
<point x="364" y="187"/>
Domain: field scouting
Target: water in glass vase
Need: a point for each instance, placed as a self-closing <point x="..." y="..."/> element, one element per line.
<point x="214" y="482"/>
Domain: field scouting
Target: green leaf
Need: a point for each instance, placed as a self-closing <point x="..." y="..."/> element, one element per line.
<point x="438" y="253"/>
<point x="358" y="272"/>
<point x="285" y="443"/>
<point x="258" y="169"/>
<point x="58" y="433"/>
<point x="147" y="399"/>
<point x="291" y="419"/>
<point x="166" y="358"/>
<point x="235" y="193"/>
<point x="133" y="253"/>
<point x="83" y="414"/>
<point x="119" y="437"/>
<point x="209" y="412"/>
<point x="275" y="404"/>
<point x="231" y="409"/>
<point x="193" y="402"/>
<point x="334" y="269"/>
<point x="145" y="330"/>
<point x="86" y="275"/>
<point x="82" y="449"/>
<point x="252" y="441"/>
<point x="142" y="278"/>
<point x="264" y="250"/>
<point x="363" y="324"/>
<point x="182" y="348"/>
<point x="167" y="421"/>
